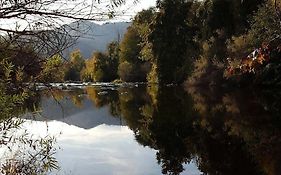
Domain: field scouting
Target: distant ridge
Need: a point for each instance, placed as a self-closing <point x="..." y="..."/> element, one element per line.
<point x="87" y="117"/>
<point x="96" y="37"/>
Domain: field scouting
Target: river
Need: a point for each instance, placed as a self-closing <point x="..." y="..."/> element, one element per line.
<point x="147" y="130"/>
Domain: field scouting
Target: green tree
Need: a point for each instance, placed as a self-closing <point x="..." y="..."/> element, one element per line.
<point x="131" y="67"/>
<point x="171" y="38"/>
<point x="22" y="60"/>
<point x="220" y="21"/>
<point x="126" y="71"/>
<point x="265" y="25"/>
<point x="141" y="23"/>
<point x="100" y="65"/>
<point x="129" y="46"/>
<point x="75" y="66"/>
<point x="53" y="70"/>
<point x="113" y="60"/>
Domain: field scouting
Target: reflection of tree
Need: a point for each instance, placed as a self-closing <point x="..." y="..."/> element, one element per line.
<point x="249" y="123"/>
<point x="131" y="102"/>
<point x="159" y="122"/>
<point x="101" y="98"/>
<point x="226" y="133"/>
<point x="24" y="153"/>
<point x="94" y="97"/>
<point x="97" y="96"/>
<point x="172" y="122"/>
<point x="74" y="95"/>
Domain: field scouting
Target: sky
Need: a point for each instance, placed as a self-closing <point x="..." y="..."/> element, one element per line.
<point x="104" y="149"/>
<point x="124" y="13"/>
<point x="143" y="4"/>
<point x="131" y="8"/>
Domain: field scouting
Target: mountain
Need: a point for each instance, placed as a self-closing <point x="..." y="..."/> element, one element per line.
<point x="96" y="37"/>
<point x="86" y="116"/>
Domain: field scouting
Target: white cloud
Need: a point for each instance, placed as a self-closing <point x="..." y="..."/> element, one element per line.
<point x="101" y="150"/>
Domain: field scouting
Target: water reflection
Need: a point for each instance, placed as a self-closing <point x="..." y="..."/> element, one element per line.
<point x="247" y="124"/>
<point x="223" y="132"/>
<point x="112" y="109"/>
<point x="169" y="130"/>
<point x="21" y="152"/>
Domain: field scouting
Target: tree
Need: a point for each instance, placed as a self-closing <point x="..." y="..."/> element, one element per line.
<point x="265" y="25"/>
<point x="53" y="70"/>
<point x="126" y="71"/>
<point x="171" y="36"/>
<point x="23" y="63"/>
<point x="102" y="67"/>
<point x="129" y="46"/>
<point x="87" y="72"/>
<point x="43" y="25"/>
<point x="130" y="56"/>
<point x="220" y="21"/>
<point x="264" y="28"/>
<point x="99" y="69"/>
<point x="141" y="23"/>
<point x="113" y="60"/>
<point x="135" y="49"/>
<point x="75" y="66"/>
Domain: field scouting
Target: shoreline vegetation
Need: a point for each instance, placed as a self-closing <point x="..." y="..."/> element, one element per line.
<point x="198" y="45"/>
<point x="210" y="43"/>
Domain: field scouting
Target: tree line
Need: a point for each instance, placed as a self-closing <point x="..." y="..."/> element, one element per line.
<point x="197" y="42"/>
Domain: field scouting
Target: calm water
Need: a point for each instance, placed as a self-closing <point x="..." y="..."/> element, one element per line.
<point x="171" y="130"/>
